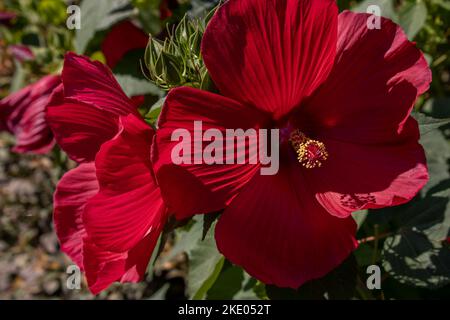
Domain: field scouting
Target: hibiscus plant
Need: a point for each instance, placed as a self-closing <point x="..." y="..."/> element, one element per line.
<point x="250" y="149"/>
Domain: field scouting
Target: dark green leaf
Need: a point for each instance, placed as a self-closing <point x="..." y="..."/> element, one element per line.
<point x="205" y="261"/>
<point x="427" y="123"/>
<point x="134" y="86"/>
<point x="340" y="283"/>
<point x="92" y="13"/>
<point x="233" y="283"/>
<point x="411" y="258"/>
<point x="412" y="17"/>
<point x="94" y="17"/>
<point x="415" y="255"/>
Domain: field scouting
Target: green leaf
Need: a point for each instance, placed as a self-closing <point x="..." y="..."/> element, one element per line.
<point x="198" y="285"/>
<point x="155" y="255"/>
<point x="95" y="15"/>
<point x="411" y="258"/>
<point x="430" y="213"/>
<point x="428" y="124"/>
<point x="200" y="8"/>
<point x="205" y="261"/>
<point x="18" y="79"/>
<point x="415" y="255"/>
<point x="149" y="15"/>
<point x="92" y="12"/>
<point x="442" y="3"/>
<point x="412" y="17"/>
<point x="360" y="217"/>
<point x="117" y="15"/>
<point x="133" y="86"/>
<point x="153" y="114"/>
<point x="209" y="221"/>
<point x="438" y="107"/>
<point x="233" y="283"/>
<point x="161" y="293"/>
<point x="437" y="150"/>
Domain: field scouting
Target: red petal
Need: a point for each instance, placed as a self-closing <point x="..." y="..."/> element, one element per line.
<point x="129" y="204"/>
<point x="33" y="133"/>
<point x="23" y="114"/>
<point x="72" y="193"/>
<point x="138" y="101"/>
<point x="122" y="38"/>
<point x="90" y="82"/>
<point x="279" y="234"/>
<point x="200" y="188"/>
<point x="271" y="54"/>
<point x="104" y="267"/>
<point x="372" y="88"/>
<point x="359" y="177"/>
<point x="21" y="52"/>
<point x="80" y="129"/>
<point x="164" y="9"/>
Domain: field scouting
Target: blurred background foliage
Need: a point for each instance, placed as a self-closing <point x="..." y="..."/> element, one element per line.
<point x="411" y="242"/>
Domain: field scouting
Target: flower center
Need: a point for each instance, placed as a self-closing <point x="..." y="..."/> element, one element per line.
<point x="310" y="153"/>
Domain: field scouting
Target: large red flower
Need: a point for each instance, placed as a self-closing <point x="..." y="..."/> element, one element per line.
<point x="108" y="211"/>
<point x="22" y="114"/>
<point x="340" y="94"/>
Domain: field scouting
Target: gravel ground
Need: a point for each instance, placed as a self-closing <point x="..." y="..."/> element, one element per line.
<point x="31" y="265"/>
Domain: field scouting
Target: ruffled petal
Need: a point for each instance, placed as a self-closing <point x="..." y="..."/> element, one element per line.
<point x="271" y="54"/>
<point x="277" y="231"/>
<point x="80" y="129"/>
<point x="357" y="177"/>
<point x="104" y="267"/>
<point x="33" y="133"/>
<point x="372" y="88"/>
<point x="74" y="189"/>
<point x="21" y="52"/>
<point x="129" y="204"/>
<point x="78" y="196"/>
<point x="197" y="187"/>
<point x="23" y="114"/>
<point x="91" y="82"/>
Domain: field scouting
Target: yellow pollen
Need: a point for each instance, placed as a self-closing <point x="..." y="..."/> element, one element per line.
<point x="310" y="153"/>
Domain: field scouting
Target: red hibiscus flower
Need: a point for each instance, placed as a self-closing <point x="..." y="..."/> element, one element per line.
<point x="22" y="114"/>
<point x="108" y="211"/>
<point x="340" y="94"/>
